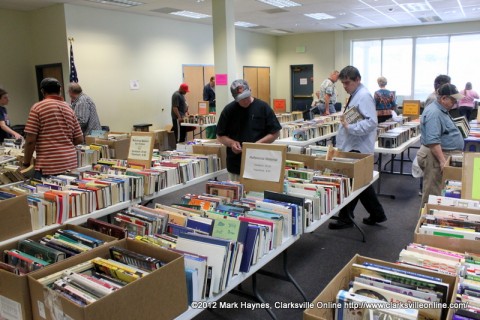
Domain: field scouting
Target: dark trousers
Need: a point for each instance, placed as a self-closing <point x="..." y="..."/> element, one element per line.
<point x="180" y="132"/>
<point x="369" y="200"/>
<point x="466" y="112"/>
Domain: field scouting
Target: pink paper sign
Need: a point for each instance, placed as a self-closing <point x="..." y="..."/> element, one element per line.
<point x="221" y="79"/>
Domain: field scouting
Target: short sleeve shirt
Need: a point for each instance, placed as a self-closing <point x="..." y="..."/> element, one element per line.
<point x="437" y="127"/>
<point x="246" y="125"/>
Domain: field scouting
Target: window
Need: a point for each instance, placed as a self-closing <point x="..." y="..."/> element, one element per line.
<point x="410" y="77"/>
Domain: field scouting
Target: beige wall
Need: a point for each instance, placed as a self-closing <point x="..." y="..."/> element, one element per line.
<point x="114" y="48"/>
<point x="15" y="63"/>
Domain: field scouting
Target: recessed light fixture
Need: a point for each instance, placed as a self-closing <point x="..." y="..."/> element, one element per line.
<point x="281" y="3"/>
<point x="348" y="25"/>
<point x="245" y="24"/>
<point x="120" y="3"/>
<point x="319" y="16"/>
<point x="279" y="31"/>
<point x="416" y="7"/>
<point x="190" y="14"/>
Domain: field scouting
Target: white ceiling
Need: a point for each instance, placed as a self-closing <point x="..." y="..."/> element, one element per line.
<point x="363" y="14"/>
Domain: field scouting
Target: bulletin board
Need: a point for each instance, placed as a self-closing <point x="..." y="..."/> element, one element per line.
<point x="263" y="166"/>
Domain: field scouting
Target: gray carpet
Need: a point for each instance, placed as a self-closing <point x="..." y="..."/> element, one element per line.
<point x="316" y="257"/>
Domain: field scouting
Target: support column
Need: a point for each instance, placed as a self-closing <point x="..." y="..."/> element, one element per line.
<point x="224" y="49"/>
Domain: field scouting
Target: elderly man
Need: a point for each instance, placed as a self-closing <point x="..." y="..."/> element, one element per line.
<point x="84" y="108"/>
<point x="440" y="138"/>
<point x="328" y="94"/>
<point x="247" y="119"/>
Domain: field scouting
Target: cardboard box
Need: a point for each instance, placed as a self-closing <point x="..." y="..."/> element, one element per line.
<point x="14" y="290"/>
<point x="451" y="173"/>
<point x="454" y="244"/>
<point x="15" y="217"/>
<point x="341" y="282"/>
<point x="161" y="139"/>
<point x="119" y="147"/>
<point x="361" y="170"/>
<point x="470" y="189"/>
<point x="184" y="147"/>
<point x="308" y="160"/>
<point x="209" y="148"/>
<point x="160" y="295"/>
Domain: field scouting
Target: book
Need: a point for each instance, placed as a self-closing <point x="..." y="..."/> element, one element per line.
<point x="352" y="115"/>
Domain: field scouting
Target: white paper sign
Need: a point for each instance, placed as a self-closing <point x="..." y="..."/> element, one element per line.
<point x="10" y="309"/>
<point x="303" y="81"/>
<point x="140" y="147"/>
<point x="265" y="165"/>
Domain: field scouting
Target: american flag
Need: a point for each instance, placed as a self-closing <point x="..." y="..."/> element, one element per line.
<point x="73" y="70"/>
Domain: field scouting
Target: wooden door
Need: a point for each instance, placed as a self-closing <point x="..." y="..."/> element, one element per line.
<point x="193" y="76"/>
<point x="258" y="79"/>
<point x="46" y="71"/>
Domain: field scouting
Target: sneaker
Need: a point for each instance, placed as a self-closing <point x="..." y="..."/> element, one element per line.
<point x="339" y="224"/>
<point x="371" y="221"/>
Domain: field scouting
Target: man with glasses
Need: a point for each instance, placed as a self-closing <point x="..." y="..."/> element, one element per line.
<point x="440" y="138"/>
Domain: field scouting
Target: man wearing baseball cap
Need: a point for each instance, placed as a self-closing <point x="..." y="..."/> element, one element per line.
<point x="247" y="119"/>
<point x="179" y="111"/>
<point x="52" y="131"/>
<point x="440" y="138"/>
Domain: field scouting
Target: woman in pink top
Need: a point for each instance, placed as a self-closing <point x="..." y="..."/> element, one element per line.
<point x="468" y="102"/>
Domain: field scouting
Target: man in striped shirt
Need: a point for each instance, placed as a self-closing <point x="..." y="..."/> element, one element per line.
<point x="52" y="131"/>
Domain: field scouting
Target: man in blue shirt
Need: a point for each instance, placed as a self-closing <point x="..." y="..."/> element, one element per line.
<point x="358" y="137"/>
<point x="209" y="95"/>
<point x="440" y="138"/>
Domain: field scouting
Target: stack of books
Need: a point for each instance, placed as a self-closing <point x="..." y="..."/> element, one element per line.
<point x="462" y="125"/>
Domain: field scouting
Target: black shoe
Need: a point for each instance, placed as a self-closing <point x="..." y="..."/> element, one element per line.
<point x="371" y="221"/>
<point x="340" y="224"/>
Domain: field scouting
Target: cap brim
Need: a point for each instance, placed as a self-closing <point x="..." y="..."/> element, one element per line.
<point x="457" y="96"/>
<point x="243" y="95"/>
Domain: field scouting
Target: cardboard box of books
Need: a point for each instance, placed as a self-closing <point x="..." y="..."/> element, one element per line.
<point x="160" y="294"/>
<point x="325" y="305"/>
<point x="450" y="237"/>
<point x="119" y="148"/>
<point x="358" y="166"/>
<point x="308" y="161"/>
<point x="15" y="217"/>
<point x="213" y="147"/>
<point x="14" y="290"/>
<point x="451" y="173"/>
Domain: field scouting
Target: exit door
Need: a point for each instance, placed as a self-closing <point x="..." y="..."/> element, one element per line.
<point x="302" y="86"/>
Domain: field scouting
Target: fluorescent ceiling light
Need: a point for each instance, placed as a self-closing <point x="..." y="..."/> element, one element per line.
<point x="281" y="3"/>
<point x="120" y="3"/>
<point x="348" y="25"/>
<point x="245" y="24"/>
<point x="278" y="31"/>
<point x="416" y="7"/>
<point x="190" y="14"/>
<point x="319" y="16"/>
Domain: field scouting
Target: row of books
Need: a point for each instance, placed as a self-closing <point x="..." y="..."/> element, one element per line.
<point x="88" y="155"/>
<point x="306" y="130"/>
<point x="200" y="119"/>
<point x="322" y="191"/>
<point x="395" y="137"/>
<point x="31" y="255"/>
<point x="10" y="169"/>
<point x="452" y="224"/>
<point x="284" y="118"/>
